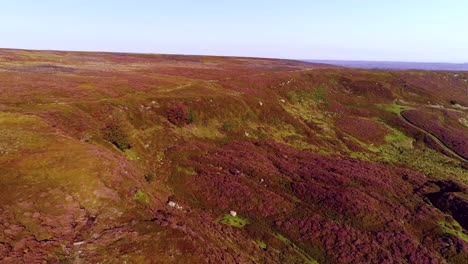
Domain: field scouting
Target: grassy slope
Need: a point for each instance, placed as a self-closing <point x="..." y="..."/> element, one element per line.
<point x="94" y="145"/>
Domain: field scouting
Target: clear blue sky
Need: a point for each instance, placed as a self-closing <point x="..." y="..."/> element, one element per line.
<point x="397" y="30"/>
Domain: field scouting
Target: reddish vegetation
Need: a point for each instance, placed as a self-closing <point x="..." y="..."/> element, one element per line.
<point x="365" y="130"/>
<point x="453" y="137"/>
<point x="340" y="199"/>
<point x="367" y="87"/>
<point x="420" y="136"/>
<point x="134" y="158"/>
<point x="434" y="86"/>
<point x="178" y="114"/>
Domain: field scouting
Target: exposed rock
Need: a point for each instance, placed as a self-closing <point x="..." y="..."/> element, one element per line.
<point x="175" y="205"/>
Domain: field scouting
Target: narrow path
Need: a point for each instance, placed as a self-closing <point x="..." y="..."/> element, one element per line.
<point x="434" y="137"/>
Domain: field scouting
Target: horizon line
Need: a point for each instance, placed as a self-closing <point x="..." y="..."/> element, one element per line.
<point x="235" y="56"/>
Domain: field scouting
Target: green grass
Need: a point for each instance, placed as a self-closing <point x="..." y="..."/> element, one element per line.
<point x="191" y="116"/>
<point x="283" y="238"/>
<point x="394" y="137"/>
<point x="141" y="197"/>
<point x="186" y="170"/>
<point x="305" y="256"/>
<point x="398" y="138"/>
<point x="397" y="109"/>
<point x="454" y="229"/>
<point x="425" y="160"/>
<point x="394" y="108"/>
<point x="235" y="221"/>
<point x="318" y="95"/>
<point x="261" y="244"/>
<point x="131" y="155"/>
<point x="20" y="132"/>
<point x="228" y="126"/>
<point x="368" y="146"/>
<point x="210" y="130"/>
<point x="283" y="133"/>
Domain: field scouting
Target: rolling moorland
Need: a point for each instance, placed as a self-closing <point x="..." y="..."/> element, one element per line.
<point x="138" y="158"/>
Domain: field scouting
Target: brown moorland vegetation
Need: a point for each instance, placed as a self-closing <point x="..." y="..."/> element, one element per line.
<point x="146" y="158"/>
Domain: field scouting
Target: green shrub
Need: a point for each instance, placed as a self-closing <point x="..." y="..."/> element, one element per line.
<point x="149" y="177"/>
<point x="141" y="197"/>
<point x="115" y="135"/>
<point x="320" y="95"/>
<point x="228" y="126"/>
<point x="234" y="221"/>
<point x="191" y="117"/>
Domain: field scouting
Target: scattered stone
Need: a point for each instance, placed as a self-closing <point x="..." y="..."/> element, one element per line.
<point x="234" y="171"/>
<point x="233" y="213"/>
<point x="175" y="205"/>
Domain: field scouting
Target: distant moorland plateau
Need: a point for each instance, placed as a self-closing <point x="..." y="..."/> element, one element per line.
<point x="393" y="65"/>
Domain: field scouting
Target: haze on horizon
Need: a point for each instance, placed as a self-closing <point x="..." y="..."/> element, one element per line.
<point x="418" y="31"/>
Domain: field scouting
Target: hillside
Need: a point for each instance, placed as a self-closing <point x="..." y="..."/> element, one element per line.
<point x="139" y="158"/>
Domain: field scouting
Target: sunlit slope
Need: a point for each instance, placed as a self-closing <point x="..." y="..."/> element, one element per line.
<point x="109" y="157"/>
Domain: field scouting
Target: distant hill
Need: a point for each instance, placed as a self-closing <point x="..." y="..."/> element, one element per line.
<point x="397" y="65"/>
